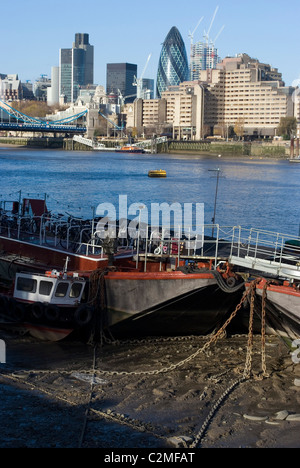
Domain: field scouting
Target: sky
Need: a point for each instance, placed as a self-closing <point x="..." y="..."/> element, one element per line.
<point x="33" y="31"/>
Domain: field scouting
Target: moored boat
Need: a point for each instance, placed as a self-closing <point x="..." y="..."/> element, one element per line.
<point x="130" y="149"/>
<point x="166" y="284"/>
<point x="282" y="303"/>
<point x="272" y="260"/>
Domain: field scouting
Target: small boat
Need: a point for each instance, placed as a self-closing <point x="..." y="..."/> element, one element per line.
<point x="130" y="149"/>
<point x="282" y="304"/>
<point x="157" y="173"/>
<point x="101" y="147"/>
<point x="50" y="305"/>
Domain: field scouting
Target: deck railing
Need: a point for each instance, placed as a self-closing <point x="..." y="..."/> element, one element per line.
<point x="254" y="249"/>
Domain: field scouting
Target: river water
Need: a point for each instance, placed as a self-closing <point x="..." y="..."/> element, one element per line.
<point x="259" y="193"/>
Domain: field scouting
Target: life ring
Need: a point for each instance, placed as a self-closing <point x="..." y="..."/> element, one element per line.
<point x="83" y="315"/>
<point x="52" y="312"/>
<point x="157" y="251"/>
<point x="37" y="310"/>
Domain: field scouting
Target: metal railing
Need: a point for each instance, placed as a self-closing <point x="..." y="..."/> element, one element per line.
<point x="266" y="251"/>
<point x="253" y="249"/>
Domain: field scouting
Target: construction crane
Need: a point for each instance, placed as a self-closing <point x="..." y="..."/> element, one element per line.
<point x="139" y="81"/>
<point x="206" y="35"/>
<point x="121" y="98"/>
<point x="191" y="34"/>
<point x="217" y="36"/>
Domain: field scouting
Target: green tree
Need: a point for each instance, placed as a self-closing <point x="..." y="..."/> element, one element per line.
<point x="287" y="126"/>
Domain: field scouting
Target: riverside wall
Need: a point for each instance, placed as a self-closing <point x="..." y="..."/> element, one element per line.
<point x="276" y="150"/>
<point x="31" y="142"/>
<point x="253" y="149"/>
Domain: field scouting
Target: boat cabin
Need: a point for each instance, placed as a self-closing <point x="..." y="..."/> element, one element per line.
<point x="61" y="289"/>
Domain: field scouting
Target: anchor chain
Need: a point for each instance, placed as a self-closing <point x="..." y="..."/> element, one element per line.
<point x="98" y="285"/>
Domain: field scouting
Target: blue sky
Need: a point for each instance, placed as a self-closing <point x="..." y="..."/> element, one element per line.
<point x="33" y="31"/>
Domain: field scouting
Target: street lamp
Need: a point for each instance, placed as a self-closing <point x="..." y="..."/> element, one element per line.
<point x="216" y="196"/>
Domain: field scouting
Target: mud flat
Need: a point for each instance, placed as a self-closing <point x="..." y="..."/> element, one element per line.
<point x="151" y="393"/>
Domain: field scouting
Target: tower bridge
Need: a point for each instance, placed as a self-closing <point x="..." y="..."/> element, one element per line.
<point x="18" y="121"/>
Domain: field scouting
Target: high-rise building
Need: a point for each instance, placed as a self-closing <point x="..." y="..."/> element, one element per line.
<point x="173" y="66"/>
<point x="53" y="91"/>
<point x="146" y="89"/>
<point x="120" y="78"/>
<point x="204" y="56"/>
<point x="40" y="87"/>
<point x="242" y="92"/>
<point x="76" y="67"/>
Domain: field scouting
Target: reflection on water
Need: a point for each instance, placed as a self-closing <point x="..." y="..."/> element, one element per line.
<point x="252" y="192"/>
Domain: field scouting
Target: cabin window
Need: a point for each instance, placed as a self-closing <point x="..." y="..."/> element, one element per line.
<point x="45" y="288"/>
<point x="61" y="289"/>
<point x="26" y="284"/>
<point x="75" y="290"/>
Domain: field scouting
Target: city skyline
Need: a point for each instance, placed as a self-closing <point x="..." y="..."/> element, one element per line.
<point x="264" y="30"/>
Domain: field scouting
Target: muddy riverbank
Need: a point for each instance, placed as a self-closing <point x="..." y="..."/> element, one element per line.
<point x="152" y="393"/>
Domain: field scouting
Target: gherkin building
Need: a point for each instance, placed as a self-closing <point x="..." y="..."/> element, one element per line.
<point x="173" y="66"/>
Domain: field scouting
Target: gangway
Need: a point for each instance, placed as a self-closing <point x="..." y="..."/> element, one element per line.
<point x="267" y="252"/>
<point x="91" y="143"/>
<point x="148" y="143"/>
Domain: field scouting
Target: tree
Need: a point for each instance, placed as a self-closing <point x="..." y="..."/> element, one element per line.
<point x="35" y="108"/>
<point x="239" y="127"/>
<point x="287" y="127"/>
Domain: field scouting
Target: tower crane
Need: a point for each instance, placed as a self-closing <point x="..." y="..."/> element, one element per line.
<point x="191" y="34"/>
<point x="206" y="35"/>
<point x="217" y="36"/>
<point x="121" y="98"/>
<point x="139" y="81"/>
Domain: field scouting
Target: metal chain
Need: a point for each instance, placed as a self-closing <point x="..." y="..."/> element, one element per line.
<point x="263" y="331"/>
<point x="246" y="375"/>
<point x="248" y="363"/>
<point x="212" y="340"/>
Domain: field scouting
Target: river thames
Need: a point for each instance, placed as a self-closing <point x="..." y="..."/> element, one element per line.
<point x="258" y="193"/>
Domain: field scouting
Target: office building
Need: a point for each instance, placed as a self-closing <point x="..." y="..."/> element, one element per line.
<point x="40" y="88"/>
<point x="53" y="90"/>
<point x="180" y="110"/>
<point x="146" y="89"/>
<point x="173" y="66"/>
<point x="11" y="88"/>
<point x="246" y="93"/>
<point x="119" y="81"/>
<point x="76" y="67"/>
<point x="204" y="56"/>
